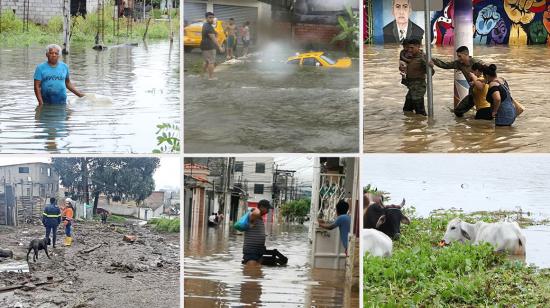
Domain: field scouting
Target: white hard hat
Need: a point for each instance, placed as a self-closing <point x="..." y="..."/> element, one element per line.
<point x="69" y="200"/>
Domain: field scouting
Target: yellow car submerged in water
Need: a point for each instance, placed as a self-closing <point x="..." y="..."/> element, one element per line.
<point x="192" y="34"/>
<point x="318" y="58"/>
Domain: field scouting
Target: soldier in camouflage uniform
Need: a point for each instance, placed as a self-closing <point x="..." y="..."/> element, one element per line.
<point x="464" y="64"/>
<point x="416" y="79"/>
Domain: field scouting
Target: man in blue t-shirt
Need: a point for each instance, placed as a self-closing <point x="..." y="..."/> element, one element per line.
<point x="51" y="79"/>
<point x="343" y="222"/>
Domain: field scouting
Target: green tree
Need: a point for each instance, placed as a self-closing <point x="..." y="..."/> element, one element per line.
<point x="296" y="210"/>
<point x="112" y="176"/>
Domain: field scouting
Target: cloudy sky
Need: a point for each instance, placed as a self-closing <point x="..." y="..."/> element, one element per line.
<point x="302" y="165"/>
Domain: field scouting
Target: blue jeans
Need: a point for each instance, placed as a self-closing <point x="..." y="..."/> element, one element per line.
<point x="53" y="230"/>
<point x="68" y="229"/>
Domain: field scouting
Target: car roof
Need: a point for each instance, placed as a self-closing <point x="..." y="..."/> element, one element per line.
<point x="198" y="23"/>
<point x="307" y="54"/>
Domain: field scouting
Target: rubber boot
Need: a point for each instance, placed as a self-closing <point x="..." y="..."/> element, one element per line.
<point x="68" y="241"/>
<point x="419" y="107"/>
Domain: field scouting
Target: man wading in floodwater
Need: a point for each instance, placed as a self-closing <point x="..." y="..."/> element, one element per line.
<point x="51" y="79"/>
<point x="254" y="237"/>
<point x="254" y="251"/>
<point x="209" y="44"/>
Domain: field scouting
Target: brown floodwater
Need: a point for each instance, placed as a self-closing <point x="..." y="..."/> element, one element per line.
<point x="387" y="129"/>
<point x="214" y="276"/>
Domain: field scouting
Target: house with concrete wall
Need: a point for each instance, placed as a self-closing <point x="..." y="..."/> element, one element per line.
<point x="334" y="179"/>
<point x="31" y="179"/>
<point x="301" y="22"/>
<point x="195" y="183"/>
<point x="25" y="189"/>
<point x="153" y="206"/>
<point x="41" y="11"/>
<point x="255" y="177"/>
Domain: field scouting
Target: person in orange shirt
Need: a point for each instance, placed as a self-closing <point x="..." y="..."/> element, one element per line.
<point x="68" y="215"/>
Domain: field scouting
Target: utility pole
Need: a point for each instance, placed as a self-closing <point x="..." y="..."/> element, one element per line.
<point x="66" y="26"/>
<point x="26" y="8"/>
<point x="428" y="58"/>
<point x="170" y="21"/>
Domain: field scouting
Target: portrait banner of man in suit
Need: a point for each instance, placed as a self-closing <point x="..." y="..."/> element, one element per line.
<point x="402" y="25"/>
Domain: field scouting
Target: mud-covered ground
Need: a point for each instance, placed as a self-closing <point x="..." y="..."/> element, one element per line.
<point x="115" y="274"/>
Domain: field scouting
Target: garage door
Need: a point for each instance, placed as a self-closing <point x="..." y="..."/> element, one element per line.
<point x="240" y="14"/>
<point x="193" y="11"/>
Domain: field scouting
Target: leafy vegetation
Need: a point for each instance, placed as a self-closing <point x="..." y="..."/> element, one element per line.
<point x="165" y="224"/>
<point x="296" y="210"/>
<point x="84" y="29"/>
<point x="168" y="138"/>
<point x="419" y="273"/>
<point x="349" y="31"/>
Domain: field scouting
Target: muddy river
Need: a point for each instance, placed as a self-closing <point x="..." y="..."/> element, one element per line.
<point x="387" y="129"/>
<point x="142" y="82"/>
<point x="264" y="105"/>
<point x="214" y="276"/>
<point x="471" y="183"/>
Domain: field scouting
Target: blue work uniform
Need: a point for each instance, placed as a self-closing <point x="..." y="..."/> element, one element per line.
<point x="51" y="218"/>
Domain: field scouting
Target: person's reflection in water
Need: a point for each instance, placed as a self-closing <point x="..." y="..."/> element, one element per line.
<point x="51" y="120"/>
<point x="251" y="288"/>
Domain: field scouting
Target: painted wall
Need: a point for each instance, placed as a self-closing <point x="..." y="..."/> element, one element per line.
<point x="512" y="22"/>
<point x="496" y="22"/>
<point x="386" y="20"/>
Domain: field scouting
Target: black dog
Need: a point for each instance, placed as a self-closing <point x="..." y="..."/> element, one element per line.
<point x="36" y="245"/>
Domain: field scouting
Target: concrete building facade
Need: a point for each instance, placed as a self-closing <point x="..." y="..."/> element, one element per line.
<point x="31" y="179"/>
<point x="41" y="11"/>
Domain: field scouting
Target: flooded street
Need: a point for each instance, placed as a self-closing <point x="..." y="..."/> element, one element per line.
<point x="142" y="82"/>
<point x="471" y="183"/>
<point x="387" y="129"/>
<point x="266" y="105"/>
<point x="215" y="277"/>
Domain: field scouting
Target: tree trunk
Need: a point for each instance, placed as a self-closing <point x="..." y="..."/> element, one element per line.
<point x="86" y="187"/>
<point x="96" y="201"/>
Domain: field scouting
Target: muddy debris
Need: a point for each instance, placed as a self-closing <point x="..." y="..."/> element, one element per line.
<point x="98" y="270"/>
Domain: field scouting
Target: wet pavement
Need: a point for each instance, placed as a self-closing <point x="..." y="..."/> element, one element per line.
<point x="99" y="270"/>
<point x="215" y="277"/>
<point x="264" y="105"/>
<point x="142" y="82"/>
<point x="387" y="129"/>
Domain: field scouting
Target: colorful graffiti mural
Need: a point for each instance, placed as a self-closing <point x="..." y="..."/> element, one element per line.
<point x="512" y="22"/>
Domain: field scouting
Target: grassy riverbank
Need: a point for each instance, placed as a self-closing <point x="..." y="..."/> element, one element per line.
<point x="421" y="274"/>
<point x="84" y="30"/>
